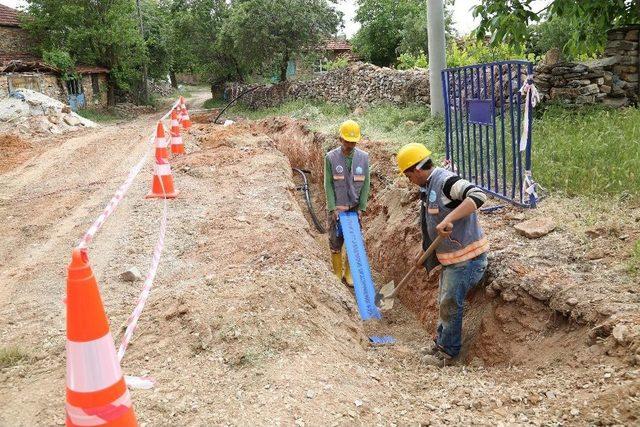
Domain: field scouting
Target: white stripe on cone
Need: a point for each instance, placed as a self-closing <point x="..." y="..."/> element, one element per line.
<point x="161" y="142"/>
<point x="161" y="170"/>
<point x="82" y="359"/>
<point x="79" y="416"/>
<point x="176" y="140"/>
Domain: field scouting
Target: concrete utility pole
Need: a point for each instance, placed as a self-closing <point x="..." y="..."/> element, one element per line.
<point x="437" y="55"/>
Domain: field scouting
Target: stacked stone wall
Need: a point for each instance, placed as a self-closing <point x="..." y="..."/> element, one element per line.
<point x="611" y="81"/>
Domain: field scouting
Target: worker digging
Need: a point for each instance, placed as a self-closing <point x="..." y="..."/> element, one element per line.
<point x="448" y="206"/>
<point x="347" y="185"/>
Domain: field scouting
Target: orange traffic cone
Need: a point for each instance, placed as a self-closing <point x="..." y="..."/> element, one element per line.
<point x="162" y="186"/>
<point x="161" y="142"/>
<point x="177" y="146"/>
<point x="184" y="114"/>
<point x="96" y="392"/>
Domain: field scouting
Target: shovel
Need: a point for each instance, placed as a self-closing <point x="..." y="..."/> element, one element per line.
<point x="385" y="298"/>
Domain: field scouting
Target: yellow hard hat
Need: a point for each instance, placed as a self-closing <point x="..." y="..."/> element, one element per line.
<point x="411" y="154"/>
<point x="350" y="131"/>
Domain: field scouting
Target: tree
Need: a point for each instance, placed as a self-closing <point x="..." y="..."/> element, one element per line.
<point x="199" y="44"/>
<point x="508" y="20"/>
<point x="390" y="28"/>
<point x="266" y="34"/>
<point x="103" y="33"/>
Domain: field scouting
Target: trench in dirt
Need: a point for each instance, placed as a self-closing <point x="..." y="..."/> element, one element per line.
<point x="495" y="332"/>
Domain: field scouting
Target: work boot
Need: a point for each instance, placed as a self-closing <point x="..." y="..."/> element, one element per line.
<point x="347" y="279"/>
<point x="431" y="348"/>
<point x="336" y="261"/>
<point x="439" y="359"/>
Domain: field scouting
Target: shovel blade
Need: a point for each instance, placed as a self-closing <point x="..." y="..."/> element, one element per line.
<point x="386" y="297"/>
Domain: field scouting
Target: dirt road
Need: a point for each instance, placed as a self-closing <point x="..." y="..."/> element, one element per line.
<point x="246" y="324"/>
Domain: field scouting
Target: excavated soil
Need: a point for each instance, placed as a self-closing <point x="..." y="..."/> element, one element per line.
<point x="246" y="323"/>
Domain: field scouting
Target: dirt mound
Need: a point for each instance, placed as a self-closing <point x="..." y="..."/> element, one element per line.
<point x="13" y="151"/>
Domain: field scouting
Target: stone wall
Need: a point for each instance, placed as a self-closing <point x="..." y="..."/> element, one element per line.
<point x="52" y="86"/>
<point x="612" y="81"/>
<point x="357" y="84"/>
<point x="95" y="99"/>
<point x="49" y="84"/>
<point x="14" y="41"/>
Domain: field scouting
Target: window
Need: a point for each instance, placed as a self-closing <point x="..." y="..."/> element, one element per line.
<point x="95" y="83"/>
<point x="74" y="87"/>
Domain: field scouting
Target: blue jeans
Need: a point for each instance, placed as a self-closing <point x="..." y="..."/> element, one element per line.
<point x="456" y="280"/>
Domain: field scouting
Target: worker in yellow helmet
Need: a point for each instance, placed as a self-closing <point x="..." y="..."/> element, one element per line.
<point x="448" y="208"/>
<point x="346" y="185"/>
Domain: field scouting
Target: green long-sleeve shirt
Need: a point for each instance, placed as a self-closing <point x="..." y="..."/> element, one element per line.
<point x="330" y="191"/>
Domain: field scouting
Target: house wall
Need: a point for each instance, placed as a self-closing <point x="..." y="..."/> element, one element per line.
<point x="95" y="99"/>
<point x="48" y="84"/>
<point x="14" y="40"/>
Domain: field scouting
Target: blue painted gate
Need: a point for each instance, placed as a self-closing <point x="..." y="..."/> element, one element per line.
<point x="487" y="140"/>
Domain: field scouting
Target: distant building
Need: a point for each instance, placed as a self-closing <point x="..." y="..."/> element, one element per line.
<point x="332" y="50"/>
<point x="21" y="68"/>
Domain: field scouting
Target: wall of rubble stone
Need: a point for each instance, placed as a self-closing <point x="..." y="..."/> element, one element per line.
<point x="357" y="84"/>
<point x="14" y="41"/>
<point x="611" y="80"/>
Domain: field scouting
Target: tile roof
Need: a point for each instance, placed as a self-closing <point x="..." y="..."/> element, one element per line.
<point x="337" y="45"/>
<point x="8" y="17"/>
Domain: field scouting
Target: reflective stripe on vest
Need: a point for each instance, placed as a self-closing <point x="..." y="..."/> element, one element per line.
<point x="85" y="378"/>
<point x="468" y="252"/>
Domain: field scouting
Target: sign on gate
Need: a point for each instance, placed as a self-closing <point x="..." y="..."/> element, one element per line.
<point x="488" y="121"/>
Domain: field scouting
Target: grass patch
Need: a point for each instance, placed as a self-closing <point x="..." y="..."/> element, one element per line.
<point x="386" y="123"/>
<point x="11" y="356"/>
<point x="99" y="116"/>
<point x="214" y="103"/>
<point x="634" y="262"/>
<point x="590" y="151"/>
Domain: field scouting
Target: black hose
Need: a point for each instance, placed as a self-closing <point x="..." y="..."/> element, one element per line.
<point x="234" y="100"/>
<point x="307" y="197"/>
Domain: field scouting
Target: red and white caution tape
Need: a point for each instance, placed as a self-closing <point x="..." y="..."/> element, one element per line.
<point x="120" y="193"/>
<point x="132" y="322"/>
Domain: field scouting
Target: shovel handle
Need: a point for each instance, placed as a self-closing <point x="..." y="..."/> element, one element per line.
<point x="432" y="247"/>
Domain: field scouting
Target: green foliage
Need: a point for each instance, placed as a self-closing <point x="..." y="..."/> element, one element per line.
<point x="59" y="59"/>
<point x="11" y="356"/>
<point x="62" y="61"/>
<point x="338" y="63"/>
<point x="590" y="151"/>
<point x="470" y="51"/>
<point x="101" y="33"/>
<point x="266" y="34"/>
<point x="407" y="61"/>
<point x="393" y="27"/>
<point x="466" y="51"/>
<point x="558" y="33"/>
<point x="588" y="20"/>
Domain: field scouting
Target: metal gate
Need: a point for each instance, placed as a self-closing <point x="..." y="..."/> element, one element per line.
<point x="488" y="127"/>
